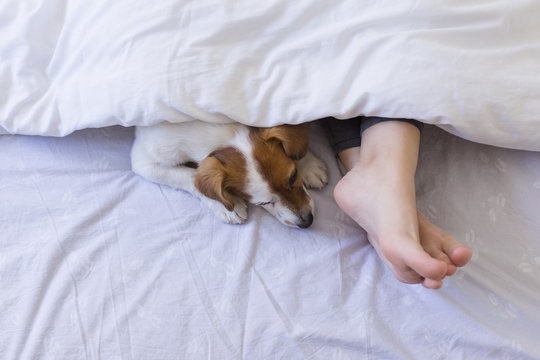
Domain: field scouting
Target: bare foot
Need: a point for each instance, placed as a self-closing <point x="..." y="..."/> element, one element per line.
<point x="382" y="201"/>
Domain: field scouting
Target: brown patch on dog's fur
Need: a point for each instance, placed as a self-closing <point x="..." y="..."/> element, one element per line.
<point x="275" y="151"/>
<point x="223" y="174"/>
<point x="293" y="138"/>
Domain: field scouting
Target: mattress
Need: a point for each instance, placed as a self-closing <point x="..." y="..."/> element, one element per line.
<point x="99" y="263"/>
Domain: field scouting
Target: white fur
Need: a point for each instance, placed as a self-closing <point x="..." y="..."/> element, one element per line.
<point x="159" y="150"/>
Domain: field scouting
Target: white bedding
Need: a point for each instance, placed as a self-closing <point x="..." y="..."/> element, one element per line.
<point x="97" y="263"/>
<point x="470" y="66"/>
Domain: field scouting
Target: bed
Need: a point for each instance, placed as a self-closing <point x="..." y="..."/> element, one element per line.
<point x="97" y="263"/>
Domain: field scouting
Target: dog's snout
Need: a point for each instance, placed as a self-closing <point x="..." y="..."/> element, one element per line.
<point x="305" y="220"/>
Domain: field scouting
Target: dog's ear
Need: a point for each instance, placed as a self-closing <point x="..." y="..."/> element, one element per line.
<point x="293" y="138"/>
<point x="210" y="181"/>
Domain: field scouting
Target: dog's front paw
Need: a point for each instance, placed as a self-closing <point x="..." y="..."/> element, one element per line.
<point x="314" y="171"/>
<point x="238" y="215"/>
<point x="240" y="211"/>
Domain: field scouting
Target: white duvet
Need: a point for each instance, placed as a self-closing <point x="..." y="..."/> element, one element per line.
<point x="470" y="66"/>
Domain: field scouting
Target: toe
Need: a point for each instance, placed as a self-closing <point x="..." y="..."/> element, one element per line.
<point x="451" y="270"/>
<point x="436" y="253"/>
<point x="438" y="240"/>
<point x="427" y="266"/>
<point x="407" y="276"/>
<point x="412" y="262"/>
<point x="460" y="254"/>
<point x="432" y="284"/>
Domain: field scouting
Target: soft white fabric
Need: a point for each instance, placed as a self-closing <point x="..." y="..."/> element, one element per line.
<point x="471" y="66"/>
<point x="97" y="263"/>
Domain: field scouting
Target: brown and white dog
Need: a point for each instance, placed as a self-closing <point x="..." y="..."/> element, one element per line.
<point x="227" y="164"/>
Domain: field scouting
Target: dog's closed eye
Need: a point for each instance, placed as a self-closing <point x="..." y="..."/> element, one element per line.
<point x="293" y="177"/>
<point x="263" y="203"/>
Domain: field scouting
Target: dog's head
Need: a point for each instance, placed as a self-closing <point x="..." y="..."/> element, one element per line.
<point x="262" y="172"/>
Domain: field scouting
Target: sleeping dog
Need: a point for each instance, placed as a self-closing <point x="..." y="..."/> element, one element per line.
<point x="226" y="165"/>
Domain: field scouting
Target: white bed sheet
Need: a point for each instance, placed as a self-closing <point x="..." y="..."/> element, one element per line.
<point x="98" y="263"/>
<point x="470" y="66"/>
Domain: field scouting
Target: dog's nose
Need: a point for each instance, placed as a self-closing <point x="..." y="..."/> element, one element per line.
<point x="305" y="220"/>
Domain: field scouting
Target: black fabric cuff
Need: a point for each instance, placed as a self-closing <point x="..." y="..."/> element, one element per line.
<point x="347" y="133"/>
<point x="369" y="121"/>
<point x="343" y="134"/>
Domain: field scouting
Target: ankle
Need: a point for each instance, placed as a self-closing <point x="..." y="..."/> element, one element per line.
<point x="385" y="163"/>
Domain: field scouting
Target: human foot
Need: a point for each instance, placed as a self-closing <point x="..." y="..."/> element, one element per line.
<point x="412" y="247"/>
